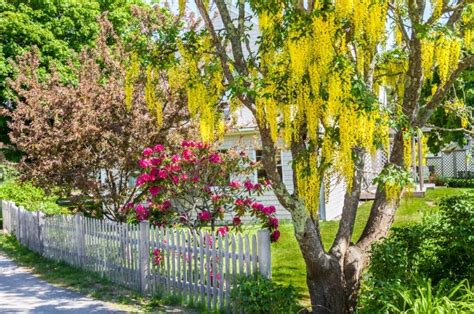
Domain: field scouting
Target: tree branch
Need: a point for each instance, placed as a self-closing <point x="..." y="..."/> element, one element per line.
<point x="233" y="34"/>
<point x="433" y="127"/>
<point x="441" y="92"/>
<point x="351" y="203"/>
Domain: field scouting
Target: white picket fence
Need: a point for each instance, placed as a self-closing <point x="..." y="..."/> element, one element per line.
<point x="198" y="266"/>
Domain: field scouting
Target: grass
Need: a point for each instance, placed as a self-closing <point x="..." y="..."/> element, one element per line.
<point x="85" y="282"/>
<point x="287" y="262"/>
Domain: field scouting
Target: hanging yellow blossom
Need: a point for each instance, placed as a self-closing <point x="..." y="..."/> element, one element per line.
<point x="130" y="77"/>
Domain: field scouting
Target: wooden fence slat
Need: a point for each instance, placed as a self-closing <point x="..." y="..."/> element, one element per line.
<point x="208" y="269"/>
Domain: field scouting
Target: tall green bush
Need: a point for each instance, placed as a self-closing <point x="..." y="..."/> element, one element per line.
<point x="30" y="197"/>
<point x="439" y="250"/>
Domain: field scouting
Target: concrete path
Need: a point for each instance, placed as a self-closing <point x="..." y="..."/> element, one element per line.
<point x="20" y="291"/>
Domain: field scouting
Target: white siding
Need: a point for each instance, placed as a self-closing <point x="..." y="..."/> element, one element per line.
<point x="249" y="142"/>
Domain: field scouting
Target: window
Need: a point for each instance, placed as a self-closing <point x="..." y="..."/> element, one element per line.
<point x="261" y="174"/>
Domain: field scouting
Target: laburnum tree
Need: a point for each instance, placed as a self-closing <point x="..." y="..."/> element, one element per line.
<point x="80" y="137"/>
<point x="311" y="80"/>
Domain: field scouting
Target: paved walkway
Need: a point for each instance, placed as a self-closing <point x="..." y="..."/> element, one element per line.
<point x="20" y="291"/>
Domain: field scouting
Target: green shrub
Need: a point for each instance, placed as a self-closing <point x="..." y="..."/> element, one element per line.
<point x="30" y="197"/>
<point x="455" y="182"/>
<point x="440" y="249"/>
<point x="428" y="299"/>
<point x="257" y="294"/>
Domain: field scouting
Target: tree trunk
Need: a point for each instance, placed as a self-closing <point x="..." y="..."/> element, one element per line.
<point x="333" y="282"/>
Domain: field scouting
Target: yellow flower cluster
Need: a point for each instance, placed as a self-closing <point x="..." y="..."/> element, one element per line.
<point x="203" y="94"/>
<point x="153" y="103"/>
<point x="131" y="75"/>
<point x="392" y="190"/>
<point x="447" y="54"/>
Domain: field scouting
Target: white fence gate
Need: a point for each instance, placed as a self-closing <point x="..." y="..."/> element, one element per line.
<point x="199" y="266"/>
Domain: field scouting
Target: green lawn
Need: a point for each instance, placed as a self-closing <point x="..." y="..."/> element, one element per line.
<point x="287" y="262"/>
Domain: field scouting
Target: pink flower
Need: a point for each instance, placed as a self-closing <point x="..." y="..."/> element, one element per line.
<point x="175" y="168"/>
<point x="156" y="256"/>
<point x="239" y="202"/>
<point x="147" y="152"/>
<point x="248" y="185"/>
<point x="222" y="230"/>
<point x="156" y="161"/>
<point x="195" y="179"/>
<point x="215" y="158"/>
<point x="154" y="190"/>
<point x="175" y="158"/>
<point x="184" y="177"/>
<point x="144" y="163"/>
<point x="236" y="221"/>
<point x="175" y="179"/>
<point x="258" y="206"/>
<point x="273" y="222"/>
<point x="235" y="184"/>
<point x="158" y="148"/>
<point x="141" y="212"/>
<point x="204" y="215"/>
<point x="187" y="154"/>
<point x="275" y="236"/>
<point x="188" y="144"/>
<point x="162" y="174"/>
<point x="142" y="179"/>
<point x="269" y="210"/>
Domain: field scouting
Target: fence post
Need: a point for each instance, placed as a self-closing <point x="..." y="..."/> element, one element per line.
<point x="264" y="253"/>
<point x="80" y="239"/>
<point x="39" y="221"/>
<point x="144" y="255"/>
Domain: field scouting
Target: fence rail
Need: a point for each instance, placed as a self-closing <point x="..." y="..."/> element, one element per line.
<point x="199" y="266"/>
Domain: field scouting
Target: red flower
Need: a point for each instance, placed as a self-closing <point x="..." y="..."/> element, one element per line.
<point x="273" y="222"/>
<point x="249" y="185"/>
<point x="156" y="161"/>
<point x="236" y="221"/>
<point x="141" y="212"/>
<point x="154" y="190"/>
<point x="204" y="215"/>
<point x="269" y="210"/>
<point x="275" y="236"/>
<point x="166" y="205"/>
<point x="239" y="202"/>
<point x="215" y="158"/>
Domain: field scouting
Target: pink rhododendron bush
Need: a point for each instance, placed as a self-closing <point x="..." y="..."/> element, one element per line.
<point x="193" y="185"/>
